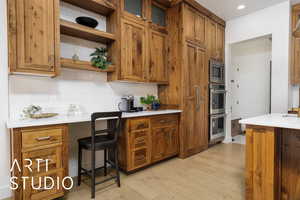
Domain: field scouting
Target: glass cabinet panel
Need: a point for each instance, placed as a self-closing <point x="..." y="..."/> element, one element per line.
<point x="158" y="15"/>
<point x="134" y="7"/>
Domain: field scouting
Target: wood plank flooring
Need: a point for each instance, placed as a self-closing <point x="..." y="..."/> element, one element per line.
<point x="216" y="174"/>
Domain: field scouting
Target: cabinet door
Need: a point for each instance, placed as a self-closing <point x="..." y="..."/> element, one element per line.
<point x="261" y="163"/>
<point x="34" y="41"/>
<point x="200" y="28"/>
<point x="159" y="144"/>
<point x="194" y="115"/>
<point x="295" y="70"/>
<point x="158" y="14"/>
<point x="134" y="9"/>
<point x="220" y="43"/>
<point x="133" y="51"/>
<point x="158" y="57"/>
<point x="194" y="25"/>
<point x="172" y="147"/>
<point x="211" y="38"/>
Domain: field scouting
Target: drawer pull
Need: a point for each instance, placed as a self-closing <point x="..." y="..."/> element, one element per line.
<point x="162" y="121"/>
<point x="140" y="140"/>
<point x="43" y="138"/>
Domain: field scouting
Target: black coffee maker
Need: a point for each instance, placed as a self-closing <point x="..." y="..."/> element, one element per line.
<point x="127" y="104"/>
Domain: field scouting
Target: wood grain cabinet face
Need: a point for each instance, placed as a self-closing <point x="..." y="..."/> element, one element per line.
<point x="158" y="57"/>
<point x="211" y="38"/>
<point x="195" y="31"/>
<point x="34" y="36"/>
<point x="195" y="115"/>
<point x="295" y="68"/>
<point x="133" y="51"/>
<point x="220" y="54"/>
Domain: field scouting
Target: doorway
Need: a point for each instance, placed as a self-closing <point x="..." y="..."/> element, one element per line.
<point x="250" y="81"/>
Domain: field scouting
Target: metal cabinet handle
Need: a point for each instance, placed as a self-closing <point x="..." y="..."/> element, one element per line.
<point x="43" y="138"/>
<point x="197" y="90"/>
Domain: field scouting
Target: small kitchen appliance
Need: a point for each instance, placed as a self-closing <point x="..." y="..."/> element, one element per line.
<point x="127" y="104"/>
<point x="217" y="72"/>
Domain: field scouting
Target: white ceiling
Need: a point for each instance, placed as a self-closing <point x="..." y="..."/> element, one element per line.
<point x="227" y="9"/>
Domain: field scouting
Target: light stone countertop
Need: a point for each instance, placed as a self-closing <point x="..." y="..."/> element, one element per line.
<point x="64" y="119"/>
<point x="289" y="121"/>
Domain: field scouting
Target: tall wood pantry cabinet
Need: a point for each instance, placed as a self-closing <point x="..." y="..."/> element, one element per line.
<point x="143" y="45"/>
<point x="34" y="37"/>
<point x="196" y="35"/>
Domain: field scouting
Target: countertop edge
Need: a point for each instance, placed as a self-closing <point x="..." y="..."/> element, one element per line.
<point x="63" y="119"/>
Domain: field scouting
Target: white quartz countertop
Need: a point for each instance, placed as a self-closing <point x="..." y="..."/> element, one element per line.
<point x="288" y="121"/>
<point x="64" y="119"/>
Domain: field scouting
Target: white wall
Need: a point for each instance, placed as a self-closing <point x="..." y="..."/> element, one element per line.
<point x="4" y="135"/>
<point x="273" y="21"/>
<point x="90" y="90"/>
<point x="250" y="70"/>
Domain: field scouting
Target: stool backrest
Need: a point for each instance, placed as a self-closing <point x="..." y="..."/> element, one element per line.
<point x="113" y="129"/>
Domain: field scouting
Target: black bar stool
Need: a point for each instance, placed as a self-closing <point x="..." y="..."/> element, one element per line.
<point x="106" y="139"/>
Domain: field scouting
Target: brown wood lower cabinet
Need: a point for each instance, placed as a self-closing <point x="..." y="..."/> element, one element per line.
<point x="272" y="163"/>
<point x="148" y="140"/>
<point x="44" y="142"/>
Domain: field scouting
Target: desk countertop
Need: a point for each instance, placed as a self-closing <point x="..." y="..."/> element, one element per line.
<point x="289" y="121"/>
<point x="64" y="119"/>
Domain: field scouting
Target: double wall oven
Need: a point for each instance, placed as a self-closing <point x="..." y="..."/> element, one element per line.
<point x="217" y="101"/>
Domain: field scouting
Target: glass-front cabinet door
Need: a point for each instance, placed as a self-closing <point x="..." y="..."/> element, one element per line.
<point x="158" y="15"/>
<point x="134" y="9"/>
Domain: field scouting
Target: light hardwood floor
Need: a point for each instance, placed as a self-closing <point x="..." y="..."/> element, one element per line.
<point x="216" y="174"/>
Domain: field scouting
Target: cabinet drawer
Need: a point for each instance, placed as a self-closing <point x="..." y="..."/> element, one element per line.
<point x="40" y="137"/>
<point x="167" y="120"/>
<point x="53" y="155"/>
<point x="139" y="139"/>
<point x="138" y="124"/>
<point x="140" y="158"/>
<point x="41" y="192"/>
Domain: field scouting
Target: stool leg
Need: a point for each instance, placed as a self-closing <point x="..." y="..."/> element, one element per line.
<point x="105" y="162"/>
<point x="93" y="181"/>
<point x="117" y="166"/>
<point x="79" y="165"/>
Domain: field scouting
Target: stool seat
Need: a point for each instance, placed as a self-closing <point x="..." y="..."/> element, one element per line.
<point x="101" y="142"/>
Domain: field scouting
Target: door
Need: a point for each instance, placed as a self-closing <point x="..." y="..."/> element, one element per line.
<point x="158" y="57"/>
<point x="133" y="51"/>
<point x="37" y="37"/>
<point x="195" y="115"/>
<point x="172" y="141"/>
<point x="159" y="144"/>
<point x="194" y="25"/>
<point x="211" y="38"/>
<point x="134" y="9"/>
<point x="220" y="43"/>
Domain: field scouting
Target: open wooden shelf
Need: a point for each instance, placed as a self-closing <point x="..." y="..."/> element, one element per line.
<point x="103" y="7"/>
<point x="83" y="32"/>
<point x="83" y="65"/>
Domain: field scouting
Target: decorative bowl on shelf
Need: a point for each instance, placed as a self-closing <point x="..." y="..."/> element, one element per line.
<point x="87" y="21"/>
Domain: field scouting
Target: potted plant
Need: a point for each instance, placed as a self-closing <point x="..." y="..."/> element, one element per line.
<point x="156" y="104"/>
<point x="151" y="102"/>
<point x="99" y="58"/>
<point x="147" y="101"/>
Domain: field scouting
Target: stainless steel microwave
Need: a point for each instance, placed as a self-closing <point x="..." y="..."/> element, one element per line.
<point x="217" y="71"/>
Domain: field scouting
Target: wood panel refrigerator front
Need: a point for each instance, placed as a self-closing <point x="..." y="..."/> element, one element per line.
<point x="34" y="37"/>
<point x="194" y="39"/>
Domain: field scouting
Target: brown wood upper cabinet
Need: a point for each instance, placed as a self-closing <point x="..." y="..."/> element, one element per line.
<point x="34" y="37"/>
<point x="143" y="42"/>
<point x="195" y="31"/>
<point x="133" y="51"/>
<point x="215" y="40"/>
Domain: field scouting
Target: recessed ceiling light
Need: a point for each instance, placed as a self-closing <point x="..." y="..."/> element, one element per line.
<point x="241" y="7"/>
